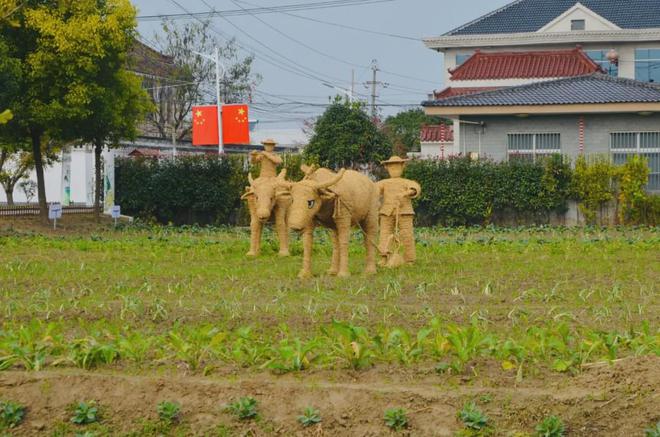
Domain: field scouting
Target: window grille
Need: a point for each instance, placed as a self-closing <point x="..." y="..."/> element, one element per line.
<point x="646" y="144"/>
<point x="531" y="147"/>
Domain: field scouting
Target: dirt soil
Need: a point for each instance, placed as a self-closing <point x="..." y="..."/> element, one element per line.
<point x="605" y="400"/>
<point x="69" y="224"/>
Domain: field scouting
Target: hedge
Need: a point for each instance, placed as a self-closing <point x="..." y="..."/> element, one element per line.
<point x="458" y="191"/>
<point x="462" y="191"/>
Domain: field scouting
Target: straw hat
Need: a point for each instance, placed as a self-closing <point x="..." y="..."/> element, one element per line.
<point x="269" y="142"/>
<point x="395" y="160"/>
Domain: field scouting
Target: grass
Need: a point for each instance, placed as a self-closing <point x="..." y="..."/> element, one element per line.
<point x="187" y="297"/>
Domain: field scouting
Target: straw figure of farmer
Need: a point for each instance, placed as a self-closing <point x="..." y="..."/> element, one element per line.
<point x="265" y="201"/>
<point x="397" y="214"/>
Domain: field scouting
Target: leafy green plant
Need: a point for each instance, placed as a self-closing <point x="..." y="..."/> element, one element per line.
<point x="11" y="414"/>
<point x="169" y="412"/>
<point x="89" y="352"/>
<point x="551" y="426"/>
<point x="85" y="413"/>
<point x="351" y="344"/>
<point x="473" y="418"/>
<point x="292" y="356"/>
<point x="195" y="344"/>
<point x="310" y="416"/>
<point x="654" y="431"/>
<point x="396" y="419"/>
<point x="245" y="408"/>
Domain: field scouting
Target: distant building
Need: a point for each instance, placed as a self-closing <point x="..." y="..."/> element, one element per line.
<point x="537" y="77"/>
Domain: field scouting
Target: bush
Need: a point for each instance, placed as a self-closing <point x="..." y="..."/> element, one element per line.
<point x="462" y="191"/>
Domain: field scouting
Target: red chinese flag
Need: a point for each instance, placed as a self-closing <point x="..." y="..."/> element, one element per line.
<point x="205" y="125"/>
<point x="235" y="124"/>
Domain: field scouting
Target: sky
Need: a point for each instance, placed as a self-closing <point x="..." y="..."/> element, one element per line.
<point x="284" y="99"/>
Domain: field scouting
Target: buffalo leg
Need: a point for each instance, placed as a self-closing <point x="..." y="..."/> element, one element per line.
<point x="343" y="236"/>
<point x="255" y="229"/>
<point x="282" y="230"/>
<point x="334" y="267"/>
<point x="308" y="245"/>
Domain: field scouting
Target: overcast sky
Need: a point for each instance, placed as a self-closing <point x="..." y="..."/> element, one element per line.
<point x="411" y="18"/>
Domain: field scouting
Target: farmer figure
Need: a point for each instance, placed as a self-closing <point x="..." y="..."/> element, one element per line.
<point x="268" y="158"/>
<point x="396" y="212"/>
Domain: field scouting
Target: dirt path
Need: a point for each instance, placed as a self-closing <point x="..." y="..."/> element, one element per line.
<point x="617" y="400"/>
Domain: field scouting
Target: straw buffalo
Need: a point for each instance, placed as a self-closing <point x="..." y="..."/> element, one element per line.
<point x="337" y="202"/>
<point x="264" y="203"/>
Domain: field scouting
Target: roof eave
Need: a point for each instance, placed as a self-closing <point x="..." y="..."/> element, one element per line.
<point x="442" y="43"/>
<point x="588" y="108"/>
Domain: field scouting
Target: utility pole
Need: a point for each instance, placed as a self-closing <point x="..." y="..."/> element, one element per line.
<point x="374" y="84"/>
<point x="219" y="74"/>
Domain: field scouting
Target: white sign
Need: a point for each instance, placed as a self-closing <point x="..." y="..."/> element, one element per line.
<point x="55" y="211"/>
<point x="116" y="212"/>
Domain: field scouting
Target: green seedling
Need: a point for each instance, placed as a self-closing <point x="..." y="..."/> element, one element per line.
<point x="551" y="426"/>
<point x="244" y="408"/>
<point x="310" y="416"/>
<point x="396" y="419"/>
<point x="473" y="418"/>
<point x="169" y="412"/>
<point x="653" y="431"/>
<point x="11" y="414"/>
<point x="85" y="413"/>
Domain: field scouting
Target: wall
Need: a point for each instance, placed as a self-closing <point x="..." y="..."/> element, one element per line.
<point x="597" y="131"/>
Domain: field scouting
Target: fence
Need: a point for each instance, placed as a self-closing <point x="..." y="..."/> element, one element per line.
<point x="33" y="209"/>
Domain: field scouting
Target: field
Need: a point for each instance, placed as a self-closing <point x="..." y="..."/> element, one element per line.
<point x="523" y="323"/>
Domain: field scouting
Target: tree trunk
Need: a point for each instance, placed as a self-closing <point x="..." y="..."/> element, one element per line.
<point x="98" y="149"/>
<point x="10" y="196"/>
<point x="39" y="168"/>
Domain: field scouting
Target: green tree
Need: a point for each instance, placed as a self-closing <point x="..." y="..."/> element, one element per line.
<point x="403" y="129"/>
<point x="345" y="136"/>
<point x="67" y="50"/>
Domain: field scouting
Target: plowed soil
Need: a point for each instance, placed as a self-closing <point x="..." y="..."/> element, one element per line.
<point x="619" y="399"/>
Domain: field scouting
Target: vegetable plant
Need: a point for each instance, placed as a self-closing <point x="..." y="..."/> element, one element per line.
<point x="169" y="412"/>
<point x="11" y="414"/>
<point x="473" y="418"/>
<point x="245" y="408"/>
<point x="653" y="431"/>
<point x="396" y="419"/>
<point x="310" y="416"/>
<point x="551" y="426"/>
<point x="85" y="413"/>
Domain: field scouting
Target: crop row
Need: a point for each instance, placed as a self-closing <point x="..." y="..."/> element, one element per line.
<point x="39" y="345"/>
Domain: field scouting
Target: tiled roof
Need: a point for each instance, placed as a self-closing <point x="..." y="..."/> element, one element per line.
<point x="438" y="133"/>
<point x="525" y="65"/>
<point x="453" y="92"/>
<point x="532" y="15"/>
<point x="145" y="60"/>
<point x="591" y="89"/>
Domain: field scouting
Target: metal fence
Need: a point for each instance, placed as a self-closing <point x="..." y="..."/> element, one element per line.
<point x="33" y="209"/>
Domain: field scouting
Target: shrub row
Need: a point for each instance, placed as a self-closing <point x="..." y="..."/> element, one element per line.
<point x="458" y="191"/>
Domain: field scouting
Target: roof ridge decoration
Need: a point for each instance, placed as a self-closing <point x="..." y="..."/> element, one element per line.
<point x="529" y="64"/>
<point x="490" y="98"/>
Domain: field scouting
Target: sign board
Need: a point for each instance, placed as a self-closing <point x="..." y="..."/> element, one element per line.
<point x="115" y="211"/>
<point x="55" y="211"/>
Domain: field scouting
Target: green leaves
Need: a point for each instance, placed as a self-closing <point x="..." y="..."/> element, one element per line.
<point x="169" y="412"/>
<point x="6" y="116"/>
<point x="396" y="419"/>
<point x="244" y="408"/>
<point x="11" y="414"/>
<point x="85" y="413"/>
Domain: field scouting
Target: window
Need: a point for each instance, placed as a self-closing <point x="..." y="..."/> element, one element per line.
<point x="578" y="25"/>
<point x="647" y="65"/>
<point x="600" y="57"/>
<point x="460" y="59"/>
<point x="647" y="144"/>
<point x="530" y="147"/>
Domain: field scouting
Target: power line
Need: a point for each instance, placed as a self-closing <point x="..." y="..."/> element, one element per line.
<point x="262" y="10"/>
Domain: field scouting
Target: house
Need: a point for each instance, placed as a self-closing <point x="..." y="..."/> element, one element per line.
<point x="537" y="77"/>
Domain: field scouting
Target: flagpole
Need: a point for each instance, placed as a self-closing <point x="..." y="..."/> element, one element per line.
<point x="221" y="149"/>
<point x="218" y="68"/>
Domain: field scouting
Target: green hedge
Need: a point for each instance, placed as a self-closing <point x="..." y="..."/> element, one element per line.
<point x="461" y="191"/>
<point x="202" y="189"/>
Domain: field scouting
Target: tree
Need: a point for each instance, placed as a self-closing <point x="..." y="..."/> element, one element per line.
<point x="66" y="50"/>
<point x="192" y="80"/>
<point x="345" y="136"/>
<point x="404" y="129"/>
<point x="14" y="167"/>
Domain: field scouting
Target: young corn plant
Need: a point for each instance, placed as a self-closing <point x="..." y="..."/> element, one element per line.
<point x="11" y="414"/>
<point x="244" y="408"/>
<point x="85" y="413"/>
<point x="467" y="344"/>
<point x="292" y="356"/>
<point x="310" y="417"/>
<point x="169" y="412"/>
<point x="196" y="345"/>
<point x="396" y="419"/>
<point x="88" y="352"/>
<point x="551" y="426"/>
<point x="473" y="418"/>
